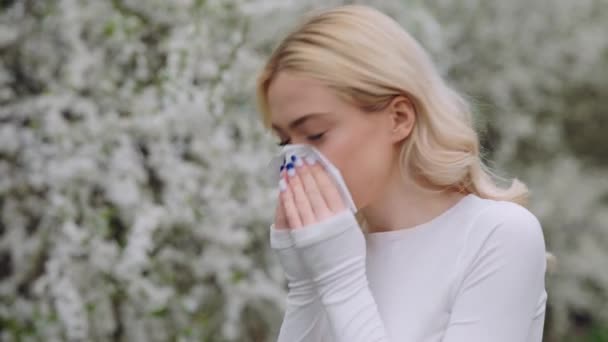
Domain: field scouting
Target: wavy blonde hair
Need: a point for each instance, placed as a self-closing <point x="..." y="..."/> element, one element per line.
<point x="367" y="58"/>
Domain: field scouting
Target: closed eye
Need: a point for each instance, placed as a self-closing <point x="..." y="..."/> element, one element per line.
<point x="314" y="137"/>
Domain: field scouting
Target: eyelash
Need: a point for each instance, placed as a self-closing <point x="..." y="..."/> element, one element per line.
<point x="310" y="137"/>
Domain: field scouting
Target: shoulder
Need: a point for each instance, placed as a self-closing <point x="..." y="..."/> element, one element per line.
<point x="507" y="219"/>
<point x="505" y="229"/>
<point x="504" y="254"/>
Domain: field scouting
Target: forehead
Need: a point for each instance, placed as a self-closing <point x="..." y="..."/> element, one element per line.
<point x="291" y="96"/>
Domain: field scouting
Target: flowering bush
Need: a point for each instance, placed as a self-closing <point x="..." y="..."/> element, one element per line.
<point x="134" y="201"/>
<point x="133" y="206"/>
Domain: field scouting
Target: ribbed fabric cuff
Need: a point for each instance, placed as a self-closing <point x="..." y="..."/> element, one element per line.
<point x="280" y="238"/>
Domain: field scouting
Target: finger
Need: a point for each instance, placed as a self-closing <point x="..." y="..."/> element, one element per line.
<point x="291" y="212"/>
<point x="300" y="196"/>
<point x="280" y="220"/>
<point x="319" y="206"/>
<point x="328" y="188"/>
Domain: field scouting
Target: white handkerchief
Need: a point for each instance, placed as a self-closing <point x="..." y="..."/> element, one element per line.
<point x="308" y="151"/>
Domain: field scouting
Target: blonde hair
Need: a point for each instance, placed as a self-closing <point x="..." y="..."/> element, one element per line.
<point x="367" y="58"/>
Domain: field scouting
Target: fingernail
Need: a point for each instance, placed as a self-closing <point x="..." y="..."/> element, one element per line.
<point x="310" y="160"/>
<point x="282" y="185"/>
<point x="290" y="170"/>
<point x="298" y="161"/>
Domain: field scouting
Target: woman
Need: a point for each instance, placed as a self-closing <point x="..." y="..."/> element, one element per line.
<point x="436" y="251"/>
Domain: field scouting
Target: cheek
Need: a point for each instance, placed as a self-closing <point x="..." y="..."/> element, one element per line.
<point x="365" y="174"/>
<point x="364" y="164"/>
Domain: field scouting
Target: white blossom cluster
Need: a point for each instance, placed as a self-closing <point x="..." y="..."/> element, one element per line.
<point x="133" y="195"/>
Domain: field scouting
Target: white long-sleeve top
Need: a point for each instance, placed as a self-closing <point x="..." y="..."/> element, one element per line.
<point x="475" y="273"/>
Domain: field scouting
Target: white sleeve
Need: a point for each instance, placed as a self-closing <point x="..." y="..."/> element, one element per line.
<point x="304" y="316"/>
<point x="503" y="287"/>
<point x="334" y="252"/>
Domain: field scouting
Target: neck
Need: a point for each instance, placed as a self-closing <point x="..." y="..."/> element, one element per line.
<point x="403" y="205"/>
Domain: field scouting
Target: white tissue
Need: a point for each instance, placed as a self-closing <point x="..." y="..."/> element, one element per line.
<point x="307" y="151"/>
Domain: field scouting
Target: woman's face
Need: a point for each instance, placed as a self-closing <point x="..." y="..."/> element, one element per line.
<point x="361" y="145"/>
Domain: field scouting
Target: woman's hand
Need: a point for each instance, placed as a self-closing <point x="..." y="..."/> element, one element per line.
<point x="307" y="195"/>
<point x="331" y="249"/>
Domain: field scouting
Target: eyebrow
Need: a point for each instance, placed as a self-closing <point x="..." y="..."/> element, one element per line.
<point x="301" y="120"/>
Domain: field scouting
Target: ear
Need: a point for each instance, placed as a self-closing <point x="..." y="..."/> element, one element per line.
<point x="403" y="117"/>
